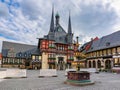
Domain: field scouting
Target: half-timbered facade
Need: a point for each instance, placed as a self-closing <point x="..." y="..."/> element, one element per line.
<point x="103" y="53"/>
<point x="18" y="55"/>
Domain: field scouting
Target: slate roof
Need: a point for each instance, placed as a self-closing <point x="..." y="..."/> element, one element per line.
<point x="111" y="40"/>
<point x="18" y="49"/>
<point x="60" y="35"/>
<point x="34" y="51"/>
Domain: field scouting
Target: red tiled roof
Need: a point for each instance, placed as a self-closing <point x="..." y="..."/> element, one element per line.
<point x="90" y="43"/>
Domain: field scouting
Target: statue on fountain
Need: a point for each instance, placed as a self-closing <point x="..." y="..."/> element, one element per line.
<point x="78" y="77"/>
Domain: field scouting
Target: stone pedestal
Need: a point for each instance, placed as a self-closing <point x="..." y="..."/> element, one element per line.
<point x="79" y="78"/>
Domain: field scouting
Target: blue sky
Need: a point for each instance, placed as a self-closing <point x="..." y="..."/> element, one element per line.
<point x="25" y="20"/>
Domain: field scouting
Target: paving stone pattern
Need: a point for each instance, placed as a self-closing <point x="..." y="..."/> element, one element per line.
<point x="103" y="81"/>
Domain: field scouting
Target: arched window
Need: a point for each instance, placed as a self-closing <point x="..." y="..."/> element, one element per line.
<point x="94" y="64"/>
<point x="99" y="63"/>
<point x="89" y="64"/>
<point x="108" y="64"/>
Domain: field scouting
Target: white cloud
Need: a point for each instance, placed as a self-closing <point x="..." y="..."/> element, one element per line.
<point x="116" y="4"/>
<point x="35" y="9"/>
<point x="4" y="12"/>
<point x="7" y="1"/>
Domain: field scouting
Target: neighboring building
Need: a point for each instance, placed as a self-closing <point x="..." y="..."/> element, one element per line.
<point x="103" y="52"/>
<point x="54" y="50"/>
<point x="16" y="54"/>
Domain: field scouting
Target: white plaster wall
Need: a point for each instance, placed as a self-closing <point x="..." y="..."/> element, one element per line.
<point x="44" y="60"/>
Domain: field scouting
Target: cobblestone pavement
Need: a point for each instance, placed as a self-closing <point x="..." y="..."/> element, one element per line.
<point x="103" y="81"/>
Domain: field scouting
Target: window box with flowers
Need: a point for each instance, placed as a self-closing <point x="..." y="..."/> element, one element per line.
<point x="70" y="48"/>
<point x="52" y="47"/>
<point x="71" y="59"/>
<point x="52" y="58"/>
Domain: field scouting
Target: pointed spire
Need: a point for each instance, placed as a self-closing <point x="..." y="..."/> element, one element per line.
<point x="69" y="25"/>
<point x="70" y="34"/>
<point x="52" y="20"/>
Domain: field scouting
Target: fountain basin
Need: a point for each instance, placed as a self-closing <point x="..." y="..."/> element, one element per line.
<point x="79" y="78"/>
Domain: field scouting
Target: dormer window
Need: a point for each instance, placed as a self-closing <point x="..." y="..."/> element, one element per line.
<point x="25" y="54"/>
<point x="29" y="54"/>
<point x="108" y="44"/>
<point x="20" y="54"/>
<point x="91" y="48"/>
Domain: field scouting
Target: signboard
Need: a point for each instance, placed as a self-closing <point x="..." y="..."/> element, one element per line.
<point x="48" y="72"/>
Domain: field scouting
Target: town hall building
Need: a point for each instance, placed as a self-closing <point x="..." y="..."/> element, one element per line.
<point x="54" y="51"/>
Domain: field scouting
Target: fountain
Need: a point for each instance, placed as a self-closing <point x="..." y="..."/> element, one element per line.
<point x="78" y="78"/>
